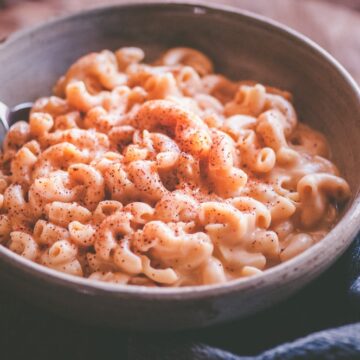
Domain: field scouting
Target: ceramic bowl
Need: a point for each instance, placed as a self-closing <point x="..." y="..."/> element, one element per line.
<point x="243" y="46"/>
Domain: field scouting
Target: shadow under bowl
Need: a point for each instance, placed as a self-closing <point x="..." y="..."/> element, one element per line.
<point x="243" y="46"/>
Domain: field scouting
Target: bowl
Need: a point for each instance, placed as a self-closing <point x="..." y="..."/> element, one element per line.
<point x="243" y="46"/>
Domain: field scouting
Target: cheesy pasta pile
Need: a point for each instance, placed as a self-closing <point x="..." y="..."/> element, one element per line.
<point x="164" y="174"/>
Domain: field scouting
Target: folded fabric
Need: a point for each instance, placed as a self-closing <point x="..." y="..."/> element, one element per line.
<point x="339" y="343"/>
<point x="354" y="275"/>
<point x="329" y="302"/>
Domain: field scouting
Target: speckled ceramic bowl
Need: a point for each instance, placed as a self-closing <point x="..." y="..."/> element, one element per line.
<point x="243" y="46"/>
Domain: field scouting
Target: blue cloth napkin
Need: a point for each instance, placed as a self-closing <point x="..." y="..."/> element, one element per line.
<point x="320" y="322"/>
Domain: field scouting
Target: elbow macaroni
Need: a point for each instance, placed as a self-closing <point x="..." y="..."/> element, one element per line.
<point x="164" y="175"/>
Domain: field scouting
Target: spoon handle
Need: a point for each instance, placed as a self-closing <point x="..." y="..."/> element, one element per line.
<point x="4" y="115"/>
<point x="4" y="120"/>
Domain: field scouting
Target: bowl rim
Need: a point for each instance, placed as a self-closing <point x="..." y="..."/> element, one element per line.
<point x="348" y="226"/>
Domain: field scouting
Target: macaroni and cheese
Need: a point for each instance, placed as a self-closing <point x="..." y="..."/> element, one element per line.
<point x="164" y="175"/>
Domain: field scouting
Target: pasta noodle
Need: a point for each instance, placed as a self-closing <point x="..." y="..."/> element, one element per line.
<point x="164" y="174"/>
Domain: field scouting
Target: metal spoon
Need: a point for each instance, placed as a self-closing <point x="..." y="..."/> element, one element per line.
<point x="9" y="116"/>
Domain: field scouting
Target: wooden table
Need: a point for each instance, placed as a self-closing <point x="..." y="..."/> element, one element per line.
<point x="27" y="332"/>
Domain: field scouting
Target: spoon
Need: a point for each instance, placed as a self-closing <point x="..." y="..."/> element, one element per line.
<point x="9" y="116"/>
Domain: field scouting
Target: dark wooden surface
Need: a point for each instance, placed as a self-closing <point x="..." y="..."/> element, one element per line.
<point x="27" y="332"/>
